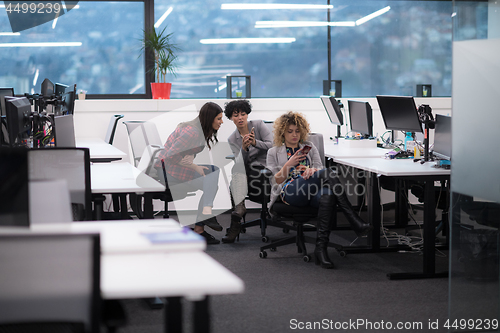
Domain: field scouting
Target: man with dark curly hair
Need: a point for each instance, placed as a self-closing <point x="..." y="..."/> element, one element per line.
<point x="249" y="143"/>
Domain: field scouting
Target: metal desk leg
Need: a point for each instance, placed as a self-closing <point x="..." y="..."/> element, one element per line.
<point x="148" y="206"/>
<point x="374" y="211"/>
<point x="173" y="315"/>
<point x="98" y="206"/>
<point x="201" y="319"/>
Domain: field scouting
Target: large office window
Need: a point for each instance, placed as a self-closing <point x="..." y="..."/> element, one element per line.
<point x="377" y="47"/>
<point x="95" y="45"/>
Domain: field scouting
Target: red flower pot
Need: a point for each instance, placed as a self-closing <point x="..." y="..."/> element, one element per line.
<point x="161" y="90"/>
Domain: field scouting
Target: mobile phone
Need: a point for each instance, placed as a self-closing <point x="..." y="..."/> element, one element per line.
<point x="252" y="130"/>
<point x="305" y="150"/>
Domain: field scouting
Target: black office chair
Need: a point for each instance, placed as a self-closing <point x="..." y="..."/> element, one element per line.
<point x="50" y="283"/>
<point x="300" y="217"/>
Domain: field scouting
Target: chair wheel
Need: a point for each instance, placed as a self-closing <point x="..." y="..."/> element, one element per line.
<point x="273" y="249"/>
<point x="342" y="254"/>
<point x="286" y="230"/>
<point x="243" y="230"/>
<point x="265" y="239"/>
<point x="263" y="254"/>
<point x="306" y="258"/>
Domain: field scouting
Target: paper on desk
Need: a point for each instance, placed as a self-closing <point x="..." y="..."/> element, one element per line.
<point x="181" y="236"/>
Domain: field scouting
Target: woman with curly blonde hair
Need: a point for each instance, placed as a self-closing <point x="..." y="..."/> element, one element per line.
<point x="301" y="180"/>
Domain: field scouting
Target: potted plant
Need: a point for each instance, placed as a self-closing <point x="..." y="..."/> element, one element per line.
<point x="159" y="45"/>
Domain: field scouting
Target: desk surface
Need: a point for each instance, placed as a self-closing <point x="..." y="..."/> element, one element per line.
<point x="338" y="151"/>
<point x="188" y="274"/>
<point x="126" y="236"/>
<point x="121" y="177"/>
<point x="394" y="168"/>
<point x="100" y="150"/>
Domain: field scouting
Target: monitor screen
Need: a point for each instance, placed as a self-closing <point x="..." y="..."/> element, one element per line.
<point x="333" y="110"/>
<point x="442" y="137"/>
<point x="361" y="117"/>
<point x="3" y="93"/>
<point x="60" y="89"/>
<point x="14" y="203"/>
<point x="64" y="131"/>
<point x="400" y="113"/>
<point x="19" y="120"/>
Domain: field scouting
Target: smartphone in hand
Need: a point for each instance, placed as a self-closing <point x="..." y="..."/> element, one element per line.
<point x="252" y="130"/>
<point x="305" y="150"/>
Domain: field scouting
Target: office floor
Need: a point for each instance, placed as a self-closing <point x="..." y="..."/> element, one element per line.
<point x="282" y="291"/>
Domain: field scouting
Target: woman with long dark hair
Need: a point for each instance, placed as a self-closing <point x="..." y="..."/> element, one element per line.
<point x="181" y="147"/>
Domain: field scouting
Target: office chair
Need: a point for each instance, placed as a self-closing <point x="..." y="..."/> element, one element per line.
<point x="71" y="164"/>
<point x="146" y="145"/>
<point x="299" y="216"/>
<point x="53" y="208"/>
<point x="50" y="283"/>
<point x="110" y="134"/>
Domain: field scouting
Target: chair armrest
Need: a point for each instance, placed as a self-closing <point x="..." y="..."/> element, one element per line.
<point x="230" y="157"/>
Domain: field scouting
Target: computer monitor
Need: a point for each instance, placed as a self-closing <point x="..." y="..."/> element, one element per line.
<point x="47" y="88"/>
<point x="14" y="203"/>
<point x="3" y="93"/>
<point x="60" y="89"/>
<point x="64" y="131"/>
<point x="361" y="118"/>
<point x="400" y="113"/>
<point x="68" y="102"/>
<point x="442" y="137"/>
<point x="333" y="110"/>
<point x="19" y="120"/>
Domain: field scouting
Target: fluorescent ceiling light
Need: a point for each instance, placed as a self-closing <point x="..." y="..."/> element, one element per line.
<point x="35" y="79"/>
<point x="10" y="34"/>
<point x="163" y="17"/>
<point x="301" y="24"/>
<point x="247" y="40"/>
<point x="272" y="6"/>
<point x="42" y="44"/>
<point x="208" y="71"/>
<point x="373" y="15"/>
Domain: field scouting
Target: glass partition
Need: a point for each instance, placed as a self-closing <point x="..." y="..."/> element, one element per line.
<point x="475" y="199"/>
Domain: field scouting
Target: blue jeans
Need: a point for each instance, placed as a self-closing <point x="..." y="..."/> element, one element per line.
<point x="307" y="192"/>
<point x="209" y="184"/>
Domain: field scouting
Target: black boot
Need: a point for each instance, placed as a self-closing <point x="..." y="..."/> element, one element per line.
<point x="234" y="229"/>
<point x="360" y="227"/>
<point x="326" y="211"/>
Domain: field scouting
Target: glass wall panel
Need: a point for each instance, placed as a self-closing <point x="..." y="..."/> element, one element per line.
<point x="95" y="45"/>
<point x="475" y="205"/>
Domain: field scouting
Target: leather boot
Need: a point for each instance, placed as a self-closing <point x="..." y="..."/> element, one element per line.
<point x="240" y="209"/>
<point x="326" y="211"/>
<point x="234" y="230"/>
<point x="360" y="227"/>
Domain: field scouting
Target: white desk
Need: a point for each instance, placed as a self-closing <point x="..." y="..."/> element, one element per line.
<point x="147" y="270"/>
<point x="341" y="151"/>
<point x="100" y="151"/>
<point x="126" y="236"/>
<point x="123" y="178"/>
<point x="402" y="169"/>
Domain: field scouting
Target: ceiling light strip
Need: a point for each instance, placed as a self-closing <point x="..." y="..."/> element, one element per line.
<point x="247" y="40"/>
<point x="373" y="15"/>
<point x="268" y="6"/>
<point x="163" y="17"/>
<point x="42" y="44"/>
<point x="301" y="24"/>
